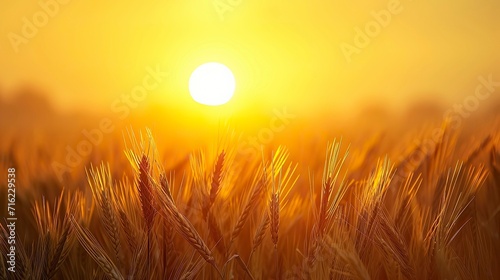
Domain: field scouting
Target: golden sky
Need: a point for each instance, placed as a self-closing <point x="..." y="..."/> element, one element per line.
<point x="86" y="54"/>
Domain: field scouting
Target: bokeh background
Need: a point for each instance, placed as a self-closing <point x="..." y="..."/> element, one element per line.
<point x="64" y="72"/>
<point x="282" y="52"/>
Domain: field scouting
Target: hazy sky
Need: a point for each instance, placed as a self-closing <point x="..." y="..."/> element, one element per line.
<point x="86" y="54"/>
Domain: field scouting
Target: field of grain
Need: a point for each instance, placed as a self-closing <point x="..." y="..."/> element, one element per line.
<point x="377" y="206"/>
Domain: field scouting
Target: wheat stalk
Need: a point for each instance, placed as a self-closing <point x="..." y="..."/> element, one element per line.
<point x="100" y="181"/>
<point x="129" y="231"/>
<point x="58" y="255"/>
<point x="94" y="249"/>
<point x="185" y="228"/>
<point x="250" y="205"/>
<point x="146" y="195"/>
<point x="274" y="208"/>
<point x="216" y="234"/>
<point x="260" y="233"/>
<point x="394" y="245"/>
<point x="215" y="184"/>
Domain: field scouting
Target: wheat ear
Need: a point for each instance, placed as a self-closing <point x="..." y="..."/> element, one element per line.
<point x="100" y="182"/>
<point x="215" y="184"/>
<point x="58" y="256"/>
<point x="94" y="249"/>
<point x="260" y="233"/>
<point x="129" y="231"/>
<point x="185" y="228"/>
<point x="274" y="208"/>
<point x="146" y="195"/>
<point x="251" y="203"/>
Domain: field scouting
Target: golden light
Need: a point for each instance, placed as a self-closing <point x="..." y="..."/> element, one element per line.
<point x="212" y="84"/>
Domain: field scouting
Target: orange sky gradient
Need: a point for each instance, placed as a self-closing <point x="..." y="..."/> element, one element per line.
<point x="283" y="53"/>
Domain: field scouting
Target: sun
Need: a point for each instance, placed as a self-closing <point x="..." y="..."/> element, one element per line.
<point x="212" y="84"/>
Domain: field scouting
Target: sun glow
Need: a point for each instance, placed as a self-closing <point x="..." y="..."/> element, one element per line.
<point x="212" y="84"/>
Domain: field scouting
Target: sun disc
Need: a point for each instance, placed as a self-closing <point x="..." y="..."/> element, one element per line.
<point x="212" y="84"/>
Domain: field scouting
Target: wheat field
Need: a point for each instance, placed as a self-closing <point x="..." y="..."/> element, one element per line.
<point x="249" y="140"/>
<point x="348" y="212"/>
